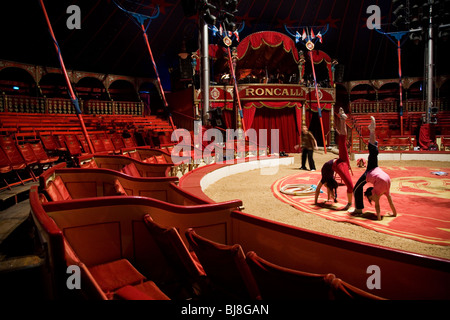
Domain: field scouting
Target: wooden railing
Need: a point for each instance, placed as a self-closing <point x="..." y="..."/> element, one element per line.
<point x="26" y="104"/>
<point x="392" y="106"/>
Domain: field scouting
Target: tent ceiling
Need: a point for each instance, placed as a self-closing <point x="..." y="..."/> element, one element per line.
<point x="110" y="42"/>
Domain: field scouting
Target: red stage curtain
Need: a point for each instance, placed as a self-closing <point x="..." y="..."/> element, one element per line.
<point x="228" y="117"/>
<point x="249" y="115"/>
<point x="424" y="136"/>
<point x="283" y="119"/>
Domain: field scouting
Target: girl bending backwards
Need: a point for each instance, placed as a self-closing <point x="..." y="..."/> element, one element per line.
<point x="341" y="166"/>
<point x="374" y="175"/>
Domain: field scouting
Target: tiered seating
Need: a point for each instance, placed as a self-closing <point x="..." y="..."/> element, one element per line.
<point x="112" y="239"/>
<point x="387" y="131"/>
<point x="17" y="159"/>
<point x="119" y="162"/>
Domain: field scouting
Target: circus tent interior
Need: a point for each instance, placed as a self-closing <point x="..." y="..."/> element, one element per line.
<point x="107" y="113"/>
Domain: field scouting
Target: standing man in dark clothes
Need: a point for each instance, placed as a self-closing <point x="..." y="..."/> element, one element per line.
<point x="309" y="144"/>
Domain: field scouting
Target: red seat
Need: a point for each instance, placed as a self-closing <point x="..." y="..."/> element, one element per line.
<point x="41" y="155"/>
<point x="5" y="164"/>
<point x="226" y="268"/>
<point x="27" y="154"/>
<point x="109" y="146"/>
<point x="74" y="147"/>
<point x="115" y="275"/>
<point x="186" y="267"/>
<point x="279" y="283"/>
<point x="49" y="142"/>
<point x="57" y="191"/>
<point x="5" y="167"/>
<point x="129" y="143"/>
<point x="6" y="140"/>
<point x="144" y="291"/>
<point x="135" y="155"/>
<point x="118" y="143"/>
<point x="17" y="161"/>
<point x="98" y="145"/>
<point x="131" y="170"/>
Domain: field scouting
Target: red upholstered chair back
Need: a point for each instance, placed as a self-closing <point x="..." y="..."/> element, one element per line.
<point x="14" y="156"/>
<point x="109" y="146"/>
<point x="39" y="151"/>
<point x="27" y="153"/>
<point x="345" y="291"/>
<point x="171" y="244"/>
<point x="118" y="143"/>
<point x="98" y="145"/>
<point x="129" y="142"/>
<point x="57" y="190"/>
<point x="74" y="147"/>
<point x="131" y="170"/>
<point x="5" y="164"/>
<point x="279" y="283"/>
<point x="49" y="142"/>
<point x="225" y="267"/>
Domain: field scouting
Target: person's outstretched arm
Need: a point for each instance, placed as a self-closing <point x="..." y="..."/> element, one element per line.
<point x="316" y="195"/>
<point x="391" y="203"/>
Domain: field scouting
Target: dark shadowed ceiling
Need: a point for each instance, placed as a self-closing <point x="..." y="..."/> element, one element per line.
<point x="110" y="42"/>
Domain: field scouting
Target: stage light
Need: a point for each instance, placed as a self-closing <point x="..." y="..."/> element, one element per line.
<point x="16" y="88"/>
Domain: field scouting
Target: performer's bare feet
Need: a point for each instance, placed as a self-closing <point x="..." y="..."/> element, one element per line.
<point x="372" y="124"/>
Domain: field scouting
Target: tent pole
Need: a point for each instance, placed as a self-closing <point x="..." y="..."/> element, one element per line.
<point x="161" y="90"/>
<point x="236" y="91"/>
<point x="318" y="102"/>
<point x="73" y="97"/>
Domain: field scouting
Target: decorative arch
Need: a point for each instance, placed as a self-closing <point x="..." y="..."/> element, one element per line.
<point x="53" y="85"/>
<point x="91" y="88"/>
<point x="362" y="92"/>
<point x="17" y="81"/>
<point x="123" y="90"/>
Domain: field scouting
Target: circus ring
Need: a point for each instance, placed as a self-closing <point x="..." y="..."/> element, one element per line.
<point x="288" y="245"/>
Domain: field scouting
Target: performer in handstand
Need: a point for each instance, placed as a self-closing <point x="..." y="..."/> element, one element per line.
<point x="375" y="175"/>
<point x="341" y="166"/>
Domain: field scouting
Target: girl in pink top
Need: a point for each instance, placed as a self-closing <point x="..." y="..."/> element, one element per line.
<point x="374" y="175"/>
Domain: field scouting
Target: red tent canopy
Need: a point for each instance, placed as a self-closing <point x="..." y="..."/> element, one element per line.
<point x="268" y="49"/>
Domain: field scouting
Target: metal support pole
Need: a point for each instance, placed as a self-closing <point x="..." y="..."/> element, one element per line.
<point x="205" y="70"/>
<point x="430" y="65"/>
<point x="400" y="84"/>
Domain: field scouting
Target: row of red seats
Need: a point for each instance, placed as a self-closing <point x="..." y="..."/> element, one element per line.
<point x="29" y="157"/>
<point x="225" y="272"/>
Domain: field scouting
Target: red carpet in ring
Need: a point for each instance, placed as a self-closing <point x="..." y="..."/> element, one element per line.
<point x="422" y="200"/>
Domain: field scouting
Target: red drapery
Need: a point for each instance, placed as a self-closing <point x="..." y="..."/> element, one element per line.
<point x="282" y="119"/>
<point x="269" y="38"/>
<point x="284" y="116"/>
